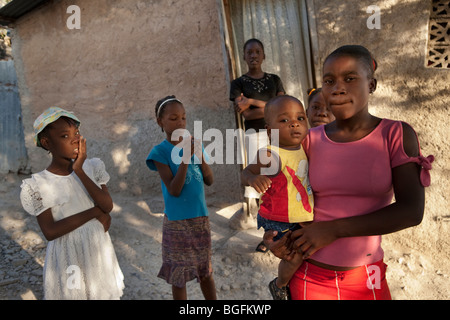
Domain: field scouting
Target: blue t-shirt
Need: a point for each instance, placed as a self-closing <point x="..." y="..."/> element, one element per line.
<point x="191" y="201"/>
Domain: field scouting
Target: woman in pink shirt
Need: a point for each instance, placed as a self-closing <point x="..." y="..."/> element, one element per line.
<point x="358" y="163"/>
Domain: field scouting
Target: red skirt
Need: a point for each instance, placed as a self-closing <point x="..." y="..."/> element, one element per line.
<point x="367" y="282"/>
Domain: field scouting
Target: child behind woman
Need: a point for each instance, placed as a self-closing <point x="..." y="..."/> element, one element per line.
<point x="72" y="204"/>
<point x="318" y="112"/>
<point x="186" y="243"/>
<point x="287" y="199"/>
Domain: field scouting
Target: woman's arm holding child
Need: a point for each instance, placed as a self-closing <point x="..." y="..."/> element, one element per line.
<point x="405" y="212"/>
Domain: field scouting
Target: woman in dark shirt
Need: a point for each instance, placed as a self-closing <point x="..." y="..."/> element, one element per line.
<point x="250" y="92"/>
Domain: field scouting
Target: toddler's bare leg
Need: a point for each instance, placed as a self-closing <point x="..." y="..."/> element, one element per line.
<point x="286" y="270"/>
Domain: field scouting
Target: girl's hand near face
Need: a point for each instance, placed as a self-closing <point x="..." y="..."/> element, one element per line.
<point x="100" y="196"/>
<point x="193" y="145"/>
<point x="197" y="148"/>
<point x="82" y="155"/>
<point x="187" y="143"/>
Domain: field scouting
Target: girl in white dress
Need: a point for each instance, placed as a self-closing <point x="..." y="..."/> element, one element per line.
<point x="72" y="204"/>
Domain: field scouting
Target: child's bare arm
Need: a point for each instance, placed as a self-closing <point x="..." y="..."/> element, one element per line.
<point x="259" y="182"/>
<point x="253" y="175"/>
<point x="54" y="229"/>
<point x="196" y="148"/>
<point x="174" y="184"/>
<point x="105" y="220"/>
<point x="100" y="196"/>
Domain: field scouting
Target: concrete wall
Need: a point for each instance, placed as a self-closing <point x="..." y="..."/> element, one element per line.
<point x="128" y="54"/>
<point x="111" y="72"/>
<point x="407" y="91"/>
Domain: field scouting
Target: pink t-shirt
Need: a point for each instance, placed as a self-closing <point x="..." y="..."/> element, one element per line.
<point x="355" y="178"/>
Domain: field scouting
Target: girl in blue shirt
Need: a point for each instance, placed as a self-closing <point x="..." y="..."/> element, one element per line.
<point x="186" y="243"/>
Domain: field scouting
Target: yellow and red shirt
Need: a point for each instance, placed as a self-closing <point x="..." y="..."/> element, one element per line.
<point x="289" y="198"/>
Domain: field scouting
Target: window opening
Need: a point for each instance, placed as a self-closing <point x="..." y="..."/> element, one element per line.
<point x="438" y="49"/>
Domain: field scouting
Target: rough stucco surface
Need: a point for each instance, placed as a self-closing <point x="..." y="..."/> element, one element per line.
<point x="127" y="55"/>
<point x="407" y="91"/>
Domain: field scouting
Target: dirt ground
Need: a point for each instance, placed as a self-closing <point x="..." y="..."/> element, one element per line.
<point x="240" y="272"/>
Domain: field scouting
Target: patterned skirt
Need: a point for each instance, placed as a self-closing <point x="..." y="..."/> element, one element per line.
<point x="186" y="250"/>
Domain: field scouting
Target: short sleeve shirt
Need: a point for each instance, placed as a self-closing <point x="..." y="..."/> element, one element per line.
<point x="191" y="201"/>
<point x="351" y="179"/>
<point x="65" y="195"/>
<point x="261" y="89"/>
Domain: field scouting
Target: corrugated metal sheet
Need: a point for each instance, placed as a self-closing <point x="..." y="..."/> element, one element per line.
<point x="13" y="154"/>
